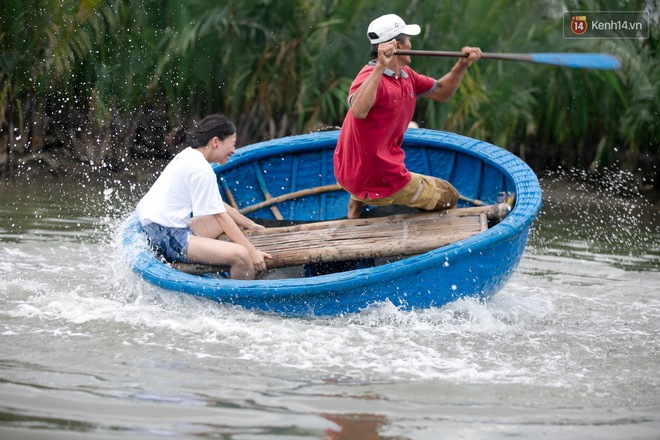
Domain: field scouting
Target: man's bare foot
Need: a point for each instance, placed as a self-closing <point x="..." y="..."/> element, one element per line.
<point x="355" y="208"/>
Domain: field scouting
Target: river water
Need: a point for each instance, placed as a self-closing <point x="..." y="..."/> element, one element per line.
<point x="568" y="349"/>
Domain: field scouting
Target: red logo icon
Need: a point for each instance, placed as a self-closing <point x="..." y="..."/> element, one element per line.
<point x="579" y="24"/>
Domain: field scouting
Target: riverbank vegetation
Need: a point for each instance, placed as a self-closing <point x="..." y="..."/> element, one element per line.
<point x="101" y="81"/>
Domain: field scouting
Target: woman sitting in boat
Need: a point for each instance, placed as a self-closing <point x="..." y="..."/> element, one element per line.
<point x="183" y="213"/>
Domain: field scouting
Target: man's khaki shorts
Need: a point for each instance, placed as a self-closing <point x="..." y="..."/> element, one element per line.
<point x="422" y="192"/>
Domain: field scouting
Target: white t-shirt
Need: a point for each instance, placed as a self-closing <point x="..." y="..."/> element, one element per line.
<point x="186" y="185"/>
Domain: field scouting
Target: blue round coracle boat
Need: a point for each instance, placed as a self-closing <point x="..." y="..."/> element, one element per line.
<point x="477" y="266"/>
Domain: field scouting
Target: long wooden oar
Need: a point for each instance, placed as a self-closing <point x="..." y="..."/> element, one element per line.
<point x="599" y="61"/>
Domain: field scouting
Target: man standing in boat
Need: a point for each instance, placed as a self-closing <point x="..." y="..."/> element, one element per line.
<point x="369" y="160"/>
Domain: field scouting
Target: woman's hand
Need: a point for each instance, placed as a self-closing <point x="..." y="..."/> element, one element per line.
<point x="254" y="226"/>
<point x="258" y="259"/>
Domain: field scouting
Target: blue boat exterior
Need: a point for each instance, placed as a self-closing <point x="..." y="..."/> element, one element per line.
<point x="478" y="266"/>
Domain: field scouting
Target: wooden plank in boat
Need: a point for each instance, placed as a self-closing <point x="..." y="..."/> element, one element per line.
<point x="401" y="235"/>
<point x="341" y="240"/>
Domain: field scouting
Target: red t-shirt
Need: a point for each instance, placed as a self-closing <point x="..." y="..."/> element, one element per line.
<point x="369" y="160"/>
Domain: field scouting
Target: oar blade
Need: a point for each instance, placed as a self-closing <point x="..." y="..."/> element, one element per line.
<point x="578" y="60"/>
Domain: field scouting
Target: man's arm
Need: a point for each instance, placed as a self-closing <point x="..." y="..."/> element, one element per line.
<point x="449" y="83"/>
<point x="363" y="99"/>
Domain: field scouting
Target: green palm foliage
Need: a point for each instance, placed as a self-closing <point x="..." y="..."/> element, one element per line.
<point x="101" y="81"/>
<point x="272" y="66"/>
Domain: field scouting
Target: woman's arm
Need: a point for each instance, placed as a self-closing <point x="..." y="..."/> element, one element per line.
<point x="234" y="233"/>
<point x="241" y="220"/>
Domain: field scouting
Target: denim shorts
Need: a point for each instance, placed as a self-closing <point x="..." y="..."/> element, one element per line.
<point x="170" y="243"/>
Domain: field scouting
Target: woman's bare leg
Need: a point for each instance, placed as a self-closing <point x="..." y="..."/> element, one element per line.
<point x="211" y="251"/>
<point x="206" y="226"/>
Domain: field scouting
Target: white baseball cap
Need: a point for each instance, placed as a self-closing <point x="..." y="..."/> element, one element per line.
<point x="388" y="26"/>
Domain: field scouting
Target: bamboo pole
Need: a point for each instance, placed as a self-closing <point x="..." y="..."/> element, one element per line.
<point x="228" y="194"/>
<point x="290" y="196"/>
<point x="264" y="189"/>
<point x="318" y="190"/>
